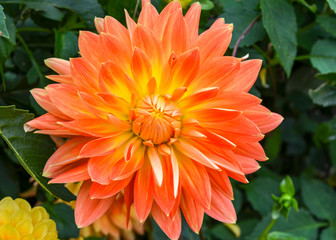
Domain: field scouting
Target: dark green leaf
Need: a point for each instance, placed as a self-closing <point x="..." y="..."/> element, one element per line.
<point x="66" y="44"/>
<point x="3" y="28"/>
<point x="299" y="223"/>
<point x="332" y="4"/>
<point x="280" y="23"/>
<point x="323" y="55"/>
<point x="328" y="23"/>
<point x="283" y="236"/>
<point x="63" y="215"/>
<point x="32" y="150"/>
<point x="9" y="184"/>
<point x="259" y="194"/>
<point x="273" y="144"/>
<point x="324" y="95"/>
<point x="87" y="9"/>
<point x="330" y="77"/>
<point x="319" y="198"/>
<point x="241" y="19"/>
<point x="329" y="233"/>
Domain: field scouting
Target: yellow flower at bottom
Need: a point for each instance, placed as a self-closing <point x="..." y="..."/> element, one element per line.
<point x="18" y="221"/>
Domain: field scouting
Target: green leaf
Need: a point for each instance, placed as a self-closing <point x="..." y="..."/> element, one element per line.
<point x="300" y="224"/>
<point x="3" y="28"/>
<point x="332" y="4"/>
<point x="324" y="95"/>
<point x="328" y="23"/>
<point x="319" y="198"/>
<point x="329" y="233"/>
<point x="9" y="184"/>
<point x="330" y="77"/>
<point x="32" y="150"/>
<point x="273" y="144"/>
<point x="63" y="215"/>
<point x="287" y="186"/>
<point x="206" y="4"/>
<point x="241" y="18"/>
<point x="259" y="193"/>
<point x="66" y="44"/>
<point x="280" y="24"/>
<point x="87" y="9"/>
<point x="323" y="55"/>
<point x="283" y="236"/>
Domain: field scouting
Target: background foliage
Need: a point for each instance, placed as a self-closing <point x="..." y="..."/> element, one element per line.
<point x="296" y="39"/>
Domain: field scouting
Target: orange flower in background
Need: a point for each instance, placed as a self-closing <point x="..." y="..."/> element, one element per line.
<point x="154" y="111"/>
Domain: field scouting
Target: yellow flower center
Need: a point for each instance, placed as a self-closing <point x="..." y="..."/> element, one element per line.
<point x="156" y="119"/>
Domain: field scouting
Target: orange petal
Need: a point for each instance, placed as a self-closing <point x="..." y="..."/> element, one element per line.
<point x="99" y="24"/>
<point x="84" y="75"/>
<point x="42" y="98"/>
<point x="213" y="42"/>
<point x="183" y="72"/>
<point x="252" y="150"/>
<point x="192" y="18"/>
<point x="192" y="211"/>
<point x="190" y="151"/>
<point x="195" y="179"/>
<point x="164" y="194"/>
<point x="217" y="72"/>
<point x="156" y="164"/>
<point x="77" y="174"/>
<point x="247" y="75"/>
<point x="103" y="146"/>
<point x="100" y="167"/>
<point x="141" y="68"/>
<point x="46" y="121"/>
<point x="60" y="66"/>
<point x="114" y="80"/>
<point x="106" y="191"/>
<point x="222" y="180"/>
<point x="66" y="99"/>
<point x="171" y="227"/>
<point x="271" y="123"/>
<point x="88" y="44"/>
<point x="148" y="15"/>
<point x="114" y="27"/>
<point x="115" y="50"/>
<point x="67" y="79"/>
<point x="249" y="165"/>
<point x="88" y="210"/>
<point x="165" y="17"/>
<point x="175" y="170"/>
<point x="142" y="191"/>
<point x="221" y="206"/>
<point x="213" y="114"/>
<point x="176" y="37"/>
<point x="146" y="40"/>
<point x="66" y="154"/>
<point x="131" y="25"/>
<point x="198" y="97"/>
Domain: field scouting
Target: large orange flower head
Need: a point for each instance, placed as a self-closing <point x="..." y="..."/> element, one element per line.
<point x="156" y="112"/>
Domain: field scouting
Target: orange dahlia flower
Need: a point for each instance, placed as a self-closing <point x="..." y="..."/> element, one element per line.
<point x="154" y="111"/>
<point x="114" y="223"/>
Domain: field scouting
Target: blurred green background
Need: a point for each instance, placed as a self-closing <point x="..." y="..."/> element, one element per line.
<point x="296" y="41"/>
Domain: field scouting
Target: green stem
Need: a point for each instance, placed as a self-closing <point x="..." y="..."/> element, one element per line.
<point x="32" y="59"/>
<point x="264" y="235"/>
